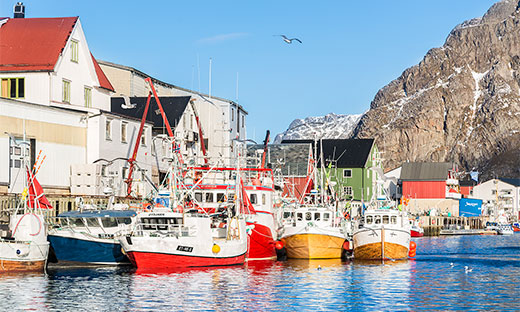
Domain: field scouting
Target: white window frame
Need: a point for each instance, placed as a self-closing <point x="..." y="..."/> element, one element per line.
<point x="66" y="90"/>
<point x="124" y="131"/>
<point x="87" y="92"/>
<point x="348" y="191"/>
<point x="108" y="130"/>
<point x="74" y="46"/>
<point x="345" y="171"/>
<point x="143" y="137"/>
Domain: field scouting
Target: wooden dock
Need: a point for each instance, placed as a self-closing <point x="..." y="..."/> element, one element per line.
<point x="433" y="225"/>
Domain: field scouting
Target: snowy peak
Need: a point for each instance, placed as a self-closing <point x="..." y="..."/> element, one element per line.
<point x="330" y="126"/>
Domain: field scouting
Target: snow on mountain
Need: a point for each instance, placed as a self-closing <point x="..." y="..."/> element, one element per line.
<point x="330" y="126"/>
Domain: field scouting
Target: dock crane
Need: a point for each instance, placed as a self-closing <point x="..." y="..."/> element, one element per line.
<point x="132" y="159"/>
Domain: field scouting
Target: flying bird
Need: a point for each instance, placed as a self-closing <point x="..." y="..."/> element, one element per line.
<point x="127" y="104"/>
<point x="289" y="40"/>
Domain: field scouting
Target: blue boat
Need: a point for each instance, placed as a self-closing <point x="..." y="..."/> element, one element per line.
<point x="90" y="236"/>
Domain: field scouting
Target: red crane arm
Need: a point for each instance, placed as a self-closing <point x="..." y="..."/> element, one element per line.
<point x="197" y="120"/>
<point x="136" y="147"/>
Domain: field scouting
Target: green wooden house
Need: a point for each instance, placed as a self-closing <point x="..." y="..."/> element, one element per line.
<point x="347" y="162"/>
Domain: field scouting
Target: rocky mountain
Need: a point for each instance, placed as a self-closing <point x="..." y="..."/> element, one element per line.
<point x="461" y="103"/>
<point x="330" y="126"/>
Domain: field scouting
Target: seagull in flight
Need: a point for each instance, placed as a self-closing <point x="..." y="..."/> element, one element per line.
<point x="127" y="104"/>
<point x="289" y="40"/>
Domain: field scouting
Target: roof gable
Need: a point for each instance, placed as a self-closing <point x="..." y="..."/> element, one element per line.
<point x="348" y="153"/>
<point x="103" y="80"/>
<point x="33" y="44"/>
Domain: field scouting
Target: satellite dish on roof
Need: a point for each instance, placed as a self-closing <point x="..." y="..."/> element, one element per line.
<point x="127" y="104"/>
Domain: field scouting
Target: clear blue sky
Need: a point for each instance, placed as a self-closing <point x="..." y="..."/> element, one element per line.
<point x="350" y="48"/>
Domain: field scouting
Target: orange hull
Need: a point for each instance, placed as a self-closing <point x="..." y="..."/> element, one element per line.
<point x="374" y="252"/>
<point x="21" y="266"/>
<point x="313" y="246"/>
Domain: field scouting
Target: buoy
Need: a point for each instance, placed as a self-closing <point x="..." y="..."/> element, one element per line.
<point x="346" y="245"/>
<point x="215" y="249"/>
<point x="413" y="245"/>
<point x="278" y="245"/>
<point x="411" y="253"/>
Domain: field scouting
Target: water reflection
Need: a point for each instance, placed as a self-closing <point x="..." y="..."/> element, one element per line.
<point x="23" y="290"/>
<point x="436" y="280"/>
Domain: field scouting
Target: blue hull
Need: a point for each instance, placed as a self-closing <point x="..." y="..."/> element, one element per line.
<point x="70" y="249"/>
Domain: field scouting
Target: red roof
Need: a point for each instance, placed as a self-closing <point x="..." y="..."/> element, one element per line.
<point x="33" y="44"/>
<point x="103" y="80"/>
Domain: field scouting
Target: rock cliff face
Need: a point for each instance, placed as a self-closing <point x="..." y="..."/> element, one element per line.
<point x="461" y="103"/>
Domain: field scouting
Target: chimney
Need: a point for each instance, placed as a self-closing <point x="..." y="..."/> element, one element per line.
<point x="19" y="10"/>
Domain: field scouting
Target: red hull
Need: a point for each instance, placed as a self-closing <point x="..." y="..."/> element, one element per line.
<point x="149" y="260"/>
<point x="261" y="243"/>
<point x="416" y="234"/>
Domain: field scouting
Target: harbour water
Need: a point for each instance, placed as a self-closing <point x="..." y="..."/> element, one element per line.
<point x="435" y="280"/>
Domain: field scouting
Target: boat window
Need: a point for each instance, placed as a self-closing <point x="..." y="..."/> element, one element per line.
<point x="308" y="216"/>
<point x="92" y="222"/>
<point x="377" y="219"/>
<point x="124" y="220"/>
<point x="209" y="197"/>
<point x="77" y="221"/>
<point x="386" y="219"/>
<point x="394" y="219"/>
<point x="317" y="216"/>
<point x="198" y="197"/>
<point x="368" y="219"/>
<point x="326" y="216"/>
<point x="253" y="199"/>
<point x="299" y="216"/>
<point x="109" y="222"/>
<point x="263" y="199"/>
<point x="220" y="197"/>
<point x="286" y="214"/>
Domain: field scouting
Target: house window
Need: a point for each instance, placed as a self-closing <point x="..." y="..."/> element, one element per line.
<point x="13" y="88"/>
<point x="143" y="137"/>
<point x="88" y="97"/>
<point x="232" y="114"/>
<point x="124" y="125"/>
<point x="66" y="91"/>
<point x="347" y="173"/>
<point x="347" y="190"/>
<point x="108" y="130"/>
<point x="74" y="51"/>
<point x="243" y="121"/>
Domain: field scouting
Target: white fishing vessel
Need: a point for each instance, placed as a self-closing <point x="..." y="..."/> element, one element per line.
<point x="163" y="239"/>
<point x="382" y="233"/>
<point x="25" y="247"/>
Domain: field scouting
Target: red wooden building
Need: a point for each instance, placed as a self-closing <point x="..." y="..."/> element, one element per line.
<point x="429" y="181"/>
